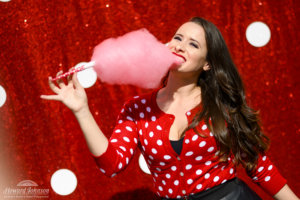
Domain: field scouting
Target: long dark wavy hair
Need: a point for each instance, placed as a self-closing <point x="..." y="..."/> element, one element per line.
<point x="234" y="124"/>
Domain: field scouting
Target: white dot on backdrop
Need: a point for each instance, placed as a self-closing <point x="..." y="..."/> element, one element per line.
<point x="63" y="182"/>
<point x="87" y="78"/>
<point x="4" y="0"/>
<point x="143" y="164"/>
<point x="258" y="34"/>
<point x="2" y="96"/>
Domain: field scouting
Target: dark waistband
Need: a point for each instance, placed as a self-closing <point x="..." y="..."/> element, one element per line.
<point x="220" y="189"/>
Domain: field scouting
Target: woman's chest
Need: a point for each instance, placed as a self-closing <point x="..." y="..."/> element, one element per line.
<point x="154" y="139"/>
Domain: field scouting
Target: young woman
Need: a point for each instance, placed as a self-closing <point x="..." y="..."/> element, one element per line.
<point x="193" y="131"/>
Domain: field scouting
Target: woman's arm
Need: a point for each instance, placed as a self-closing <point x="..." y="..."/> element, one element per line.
<point x="96" y="140"/>
<point x="285" y="194"/>
<point x="75" y="98"/>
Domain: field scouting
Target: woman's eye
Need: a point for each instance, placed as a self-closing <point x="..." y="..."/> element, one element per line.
<point x="177" y="38"/>
<point x="194" y="45"/>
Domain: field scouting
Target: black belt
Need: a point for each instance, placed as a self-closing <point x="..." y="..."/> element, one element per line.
<point x="234" y="189"/>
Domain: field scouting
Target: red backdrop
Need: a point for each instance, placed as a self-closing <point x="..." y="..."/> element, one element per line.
<point x="38" y="38"/>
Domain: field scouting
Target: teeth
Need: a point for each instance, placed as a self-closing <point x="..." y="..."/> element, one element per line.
<point x="179" y="60"/>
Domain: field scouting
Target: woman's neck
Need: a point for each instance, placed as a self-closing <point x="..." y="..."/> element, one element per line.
<point x="179" y="87"/>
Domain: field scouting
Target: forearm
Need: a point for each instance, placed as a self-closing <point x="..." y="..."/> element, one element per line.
<point x="96" y="140"/>
<point x="285" y="193"/>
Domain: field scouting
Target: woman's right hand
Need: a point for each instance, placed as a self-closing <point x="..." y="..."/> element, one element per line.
<point x="72" y="95"/>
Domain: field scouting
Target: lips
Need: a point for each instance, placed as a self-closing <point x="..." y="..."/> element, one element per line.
<point x="180" y="56"/>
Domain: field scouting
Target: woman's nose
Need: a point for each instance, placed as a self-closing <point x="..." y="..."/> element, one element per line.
<point x="179" y="47"/>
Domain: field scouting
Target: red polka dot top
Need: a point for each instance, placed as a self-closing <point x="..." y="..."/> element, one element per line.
<point x="142" y="124"/>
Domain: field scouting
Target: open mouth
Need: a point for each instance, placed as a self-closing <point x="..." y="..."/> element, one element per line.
<point x="180" y="56"/>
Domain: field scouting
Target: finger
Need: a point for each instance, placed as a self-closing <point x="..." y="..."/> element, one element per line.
<point x="69" y="78"/>
<point x="51" y="97"/>
<point x="75" y="81"/>
<point x="60" y="81"/>
<point x="52" y="85"/>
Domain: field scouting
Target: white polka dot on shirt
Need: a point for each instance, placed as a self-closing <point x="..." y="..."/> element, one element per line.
<point x="204" y="127"/>
<point x="154" y="151"/>
<point x="146" y="125"/>
<point x="163" y="182"/>
<point x="142" y="115"/>
<point x="123" y="148"/>
<point x="151" y="134"/>
<point x="264" y="158"/>
<point x="160" y="188"/>
<point x="199" y="171"/>
<point x="208" y="163"/>
<point x="207" y="175"/>
<point x="173" y="168"/>
<point x="189" y="153"/>
<point x="188" y="167"/>
<point x="167" y="157"/>
<point x="131" y="151"/>
<point x="151" y="157"/>
<point x="231" y="171"/>
<point x="153" y="118"/>
<point x="118" y="131"/>
<point x="198" y="158"/>
<point x="260" y="169"/>
<point x="120" y="121"/>
<point x="143" y="101"/>
<point x="216" y="179"/>
<point x="126" y="139"/>
<point x="170" y="191"/>
<point x="199" y="186"/>
<point x="135" y="140"/>
<point x="267" y="178"/>
<point x="176" y="182"/>
<point x="146" y="141"/>
<point x="162" y="163"/>
<point x="114" y="140"/>
<point x="136" y="106"/>
<point x="158" y="127"/>
<point x="102" y="170"/>
<point x="187" y="141"/>
<point x="188" y="113"/>
<point x="195" y="137"/>
<point x="270" y="167"/>
<point x="140" y="132"/>
<point x="120" y="166"/>
<point x="148" y="109"/>
<point x="129" y="128"/>
<point x="190" y="181"/>
<point x="202" y="144"/>
<point x="210" y="149"/>
<point x="159" y="142"/>
<point x="168" y="176"/>
<point x="129" y="118"/>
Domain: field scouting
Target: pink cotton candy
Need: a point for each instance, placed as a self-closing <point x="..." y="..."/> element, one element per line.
<point x="136" y="58"/>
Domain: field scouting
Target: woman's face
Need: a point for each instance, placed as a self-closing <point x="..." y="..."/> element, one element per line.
<point x="189" y="43"/>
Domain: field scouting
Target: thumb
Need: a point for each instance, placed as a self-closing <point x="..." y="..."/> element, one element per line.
<point x="75" y="81"/>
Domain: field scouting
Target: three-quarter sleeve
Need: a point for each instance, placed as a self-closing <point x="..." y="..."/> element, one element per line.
<point x="268" y="176"/>
<point x="122" y="143"/>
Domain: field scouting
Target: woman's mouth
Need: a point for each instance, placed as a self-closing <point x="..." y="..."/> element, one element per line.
<point x="180" y="56"/>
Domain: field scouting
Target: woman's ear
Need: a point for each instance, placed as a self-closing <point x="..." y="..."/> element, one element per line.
<point x="206" y="67"/>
